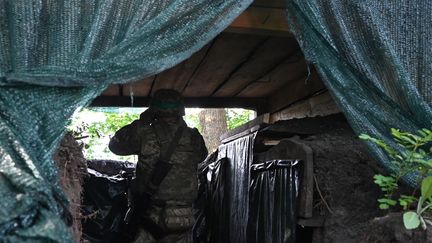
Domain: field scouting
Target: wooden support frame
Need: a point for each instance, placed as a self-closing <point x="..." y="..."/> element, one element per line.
<point x="270" y="3"/>
<point x="246" y="129"/>
<point x="257" y="104"/>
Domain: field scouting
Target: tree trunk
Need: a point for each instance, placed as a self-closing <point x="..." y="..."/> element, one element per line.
<point x="213" y="124"/>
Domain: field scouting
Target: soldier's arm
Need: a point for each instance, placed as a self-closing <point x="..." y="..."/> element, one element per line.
<point x="126" y="141"/>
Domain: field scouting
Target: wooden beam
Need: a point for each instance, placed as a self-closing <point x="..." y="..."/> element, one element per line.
<point x="319" y="104"/>
<point x="273" y="52"/>
<point x="176" y="78"/>
<point x="270" y="3"/>
<point x="246" y="129"/>
<point x="295" y="91"/>
<point x="261" y="20"/>
<point x="258" y="104"/>
<point x="112" y="90"/>
<point x="139" y="88"/>
<point x="227" y="54"/>
<point x="292" y="68"/>
<point x="210" y="46"/>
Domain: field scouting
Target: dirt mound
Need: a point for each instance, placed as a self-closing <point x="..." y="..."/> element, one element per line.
<point x="345" y="194"/>
<point x="72" y="169"/>
<point x="390" y="228"/>
<point x="344" y="175"/>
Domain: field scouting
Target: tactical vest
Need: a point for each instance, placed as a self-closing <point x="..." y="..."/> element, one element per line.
<point x="181" y="183"/>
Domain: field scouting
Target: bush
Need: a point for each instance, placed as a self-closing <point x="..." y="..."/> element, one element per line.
<point x="413" y="157"/>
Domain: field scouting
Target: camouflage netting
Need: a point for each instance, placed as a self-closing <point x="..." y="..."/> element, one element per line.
<point x="375" y="57"/>
<point x="55" y="56"/>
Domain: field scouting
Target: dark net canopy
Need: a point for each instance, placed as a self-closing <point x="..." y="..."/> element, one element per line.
<point x="375" y="57"/>
<point x="55" y="56"/>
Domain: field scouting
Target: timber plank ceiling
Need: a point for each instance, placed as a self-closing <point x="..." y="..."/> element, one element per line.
<point x="253" y="64"/>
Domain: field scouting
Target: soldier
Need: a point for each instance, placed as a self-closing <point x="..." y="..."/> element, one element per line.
<point x="166" y="182"/>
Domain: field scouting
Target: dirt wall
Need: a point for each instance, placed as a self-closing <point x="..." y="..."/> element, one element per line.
<point x="72" y="169"/>
<point x="345" y="196"/>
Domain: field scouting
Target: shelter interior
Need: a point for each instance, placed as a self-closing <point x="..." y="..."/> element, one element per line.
<point x="255" y="63"/>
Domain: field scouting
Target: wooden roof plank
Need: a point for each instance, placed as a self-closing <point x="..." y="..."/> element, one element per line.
<point x="227" y="52"/>
<point x="178" y="76"/>
<point x="267" y="56"/>
<point x="258" y="104"/>
<point x="259" y="19"/>
<point x="139" y="88"/>
<point x="295" y="91"/>
<point x="293" y="68"/>
<point x="269" y="3"/>
<point x="112" y="90"/>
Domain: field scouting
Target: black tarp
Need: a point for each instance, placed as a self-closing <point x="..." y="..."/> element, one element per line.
<point x="240" y="156"/>
<point x="213" y="220"/>
<point x="273" y="201"/>
<point x="245" y="202"/>
<point x="105" y="200"/>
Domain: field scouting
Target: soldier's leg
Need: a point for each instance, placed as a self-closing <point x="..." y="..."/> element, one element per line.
<point x="177" y="238"/>
<point x="178" y="221"/>
<point x="144" y="236"/>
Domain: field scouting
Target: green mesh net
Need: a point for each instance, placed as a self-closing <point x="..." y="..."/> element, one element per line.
<point x="55" y="56"/>
<point x="375" y="57"/>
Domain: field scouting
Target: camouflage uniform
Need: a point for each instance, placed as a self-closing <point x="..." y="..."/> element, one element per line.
<point x="172" y="210"/>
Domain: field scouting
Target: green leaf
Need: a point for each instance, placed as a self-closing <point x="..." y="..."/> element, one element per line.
<point x="364" y="136"/>
<point x="423" y="133"/>
<point x="387" y="201"/>
<point x="384" y="206"/>
<point x="426" y="187"/>
<point x="411" y="220"/>
<point x="392" y="202"/>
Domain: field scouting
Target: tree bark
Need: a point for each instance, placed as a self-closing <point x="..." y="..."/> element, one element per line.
<point x="213" y="124"/>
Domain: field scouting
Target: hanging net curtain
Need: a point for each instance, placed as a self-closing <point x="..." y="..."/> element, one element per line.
<point x="375" y="57"/>
<point x="55" y="56"/>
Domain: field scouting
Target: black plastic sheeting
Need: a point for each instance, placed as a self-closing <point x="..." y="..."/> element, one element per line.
<point x="241" y="202"/>
<point x="213" y="219"/>
<point x="105" y="200"/>
<point x="240" y="155"/>
<point x="273" y="201"/>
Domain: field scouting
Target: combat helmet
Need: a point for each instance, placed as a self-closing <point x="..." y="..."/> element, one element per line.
<point x="167" y="102"/>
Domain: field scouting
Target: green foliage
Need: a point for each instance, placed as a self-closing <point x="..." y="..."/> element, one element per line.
<point x="411" y="220"/>
<point x="95" y="126"/>
<point x="113" y="122"/>
<point x="238" y="117"/>
<point x="95" y="129"/>
<point x="426" y="187"/>
<point x="405" y="201"/>
<point x="387" y="184"/>
<point x="413" y="156"/>
<point x="192" y="120"/>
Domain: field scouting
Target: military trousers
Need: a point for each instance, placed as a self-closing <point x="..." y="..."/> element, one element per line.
<point x="169" y="224"/>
